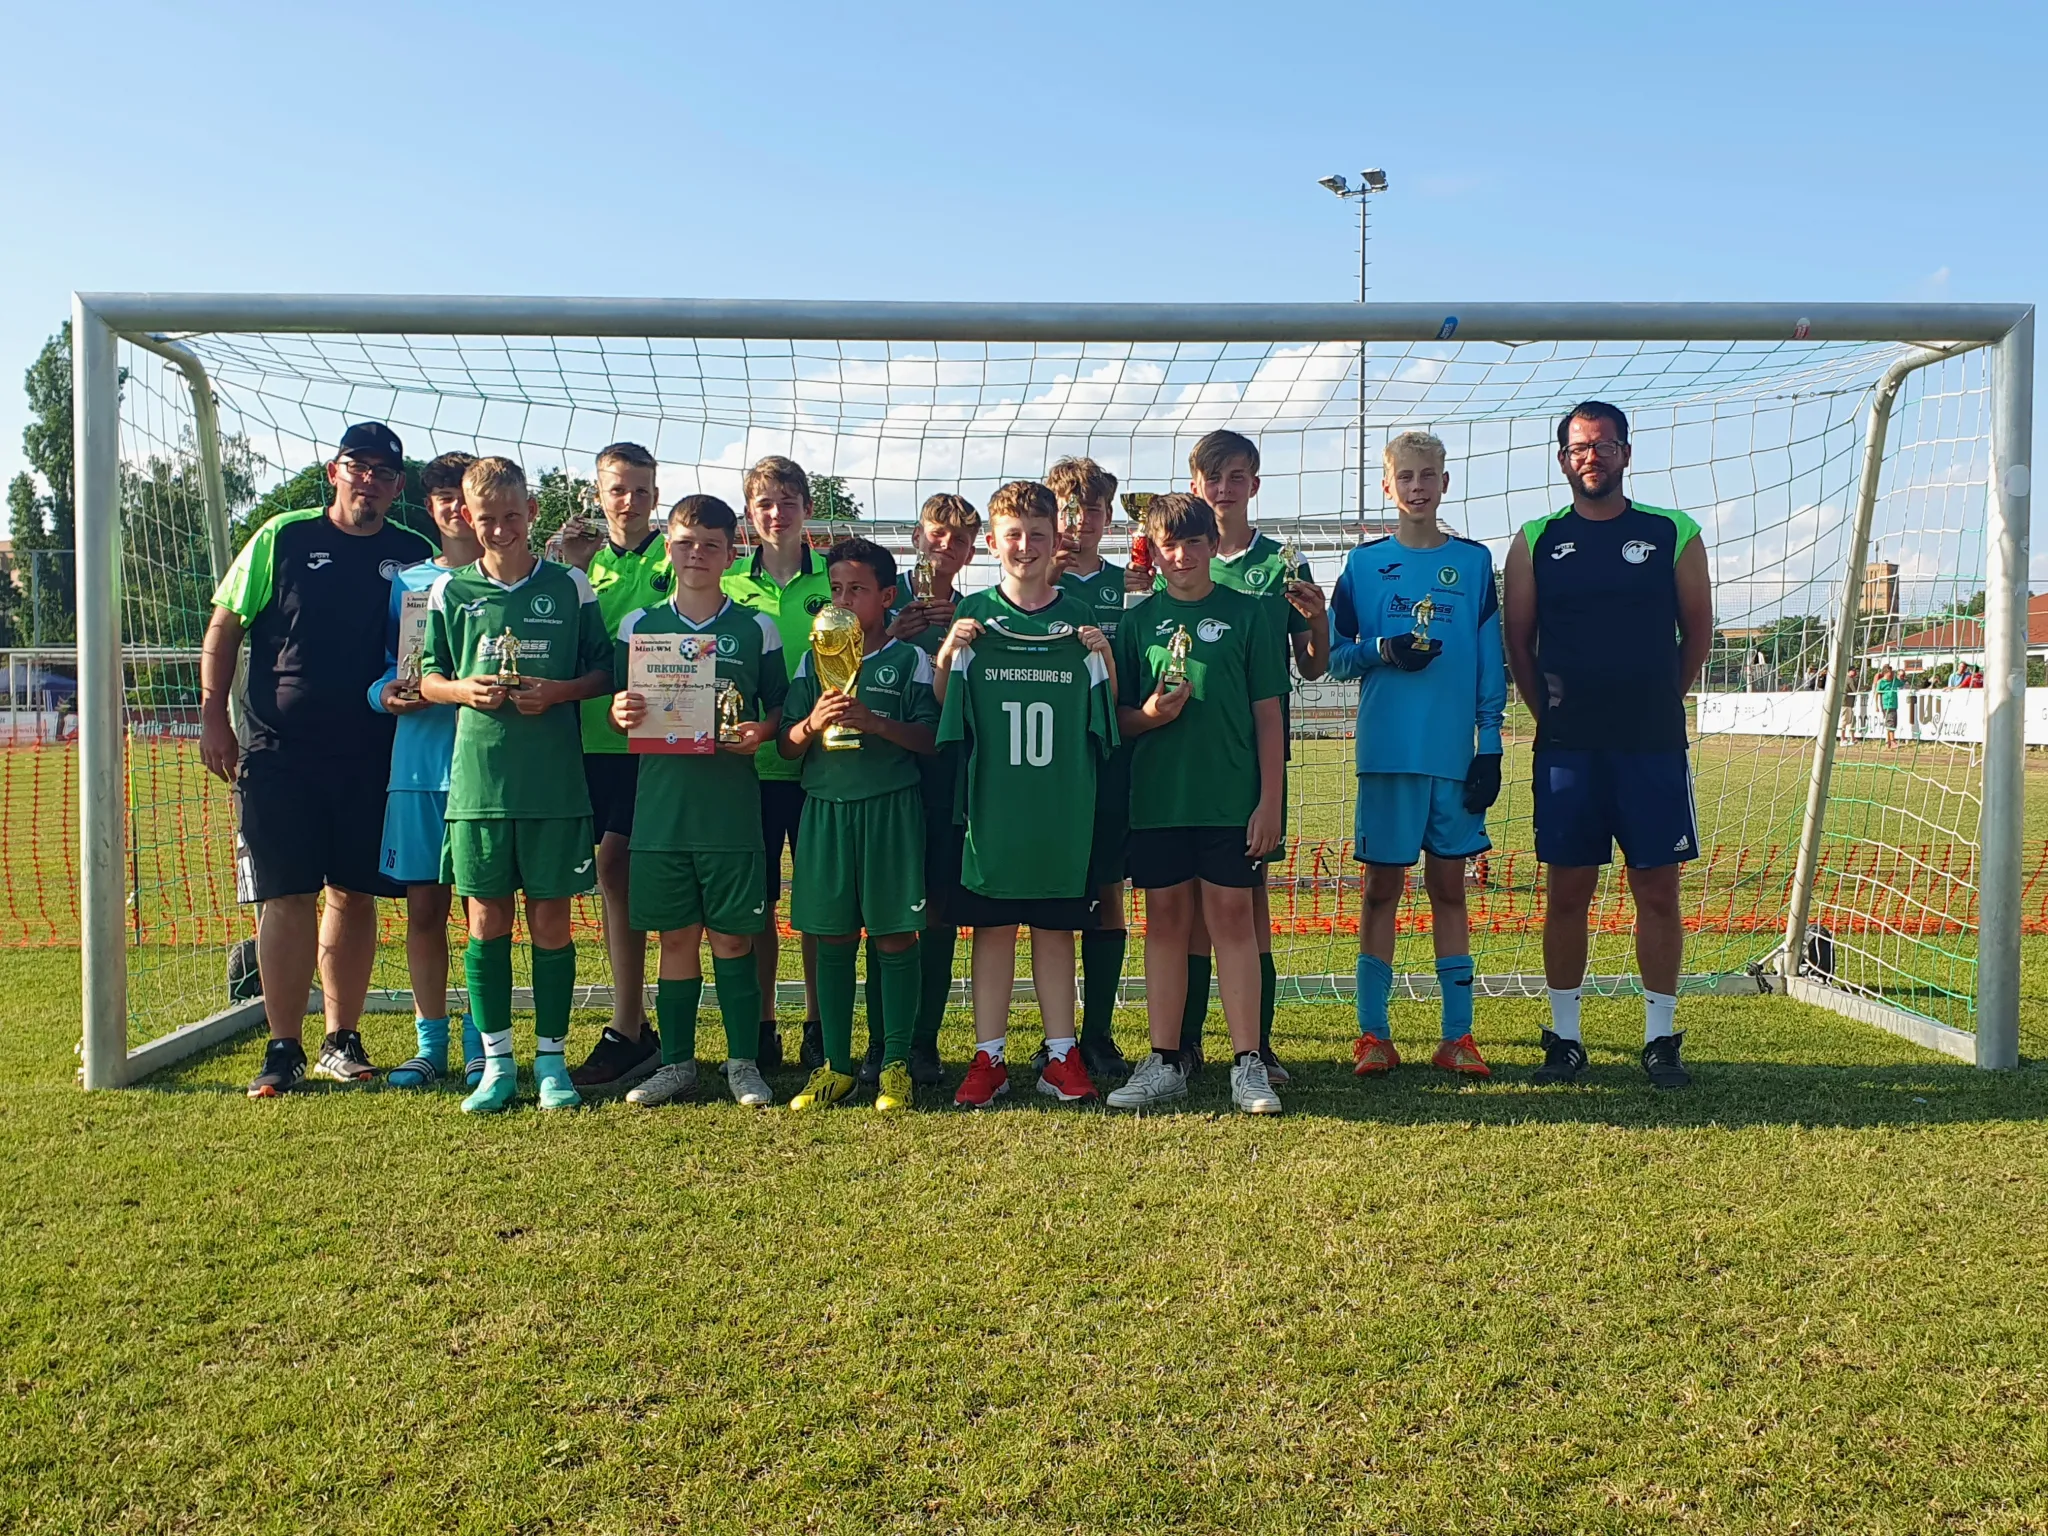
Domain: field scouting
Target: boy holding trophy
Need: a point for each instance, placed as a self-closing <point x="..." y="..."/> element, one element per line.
<point x="1200" y="677"/>
<point x="422" y="746"/>
<point x="518" y="643"/>
<point x="858" y="716"/>
<point x="697" y="850"/>
<point x="1417" y="621"/>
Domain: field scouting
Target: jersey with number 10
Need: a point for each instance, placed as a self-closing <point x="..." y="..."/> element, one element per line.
<point x="1038" y="718"/>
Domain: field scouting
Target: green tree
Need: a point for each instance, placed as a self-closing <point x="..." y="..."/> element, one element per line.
<point x="309" y="488"/>
<point x="831" y="501"/>
<point x="47" y="437"/>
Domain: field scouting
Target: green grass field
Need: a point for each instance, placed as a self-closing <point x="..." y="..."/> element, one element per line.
<point x="1810" y="1294"/>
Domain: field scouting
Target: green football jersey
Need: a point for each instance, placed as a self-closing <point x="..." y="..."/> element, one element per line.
<point x="710" y="803"/>
<point x="1037" y="718"/>
<point x="997" y="614"/>
<point x="1202" y="770"/>
<point x="1103" y="592"/>
<point x="896" y="683"/>
<point x="1259" y="570"/>
<point x="792" y="608"/>
<point x="509" y="765"/>
<point x="625" y="581"/>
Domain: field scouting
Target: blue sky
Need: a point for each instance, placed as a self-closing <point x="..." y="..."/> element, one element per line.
<point x="1100" y="151"/>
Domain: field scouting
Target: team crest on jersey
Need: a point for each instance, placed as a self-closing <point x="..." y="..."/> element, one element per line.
<point x="1635" y="551"/>
<point x="886" y="675"/>
<point x="727" y="646"/>
<point x="387" y="568"/>
<point x="1257" y="576"/>
<point x="1209" y="631"/>
<point x="1447" y="576"/>
<point x="815" y="605"/>
<point x="661" y="581"/>
<point x="541" y="606"/>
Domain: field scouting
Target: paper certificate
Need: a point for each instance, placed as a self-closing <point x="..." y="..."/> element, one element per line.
<point x="678" y="674"/>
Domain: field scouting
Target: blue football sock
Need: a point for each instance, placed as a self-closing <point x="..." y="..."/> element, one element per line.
<point x="1375" y="982"/>
<point x="1454" y="984"/>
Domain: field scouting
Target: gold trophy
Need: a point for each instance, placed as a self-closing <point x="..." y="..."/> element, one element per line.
<point x="411" y="668"/>
<point x="730" y="707"/>
<point x="1175" y="671"/>
<point x="1290" y="563"/>
<point x="1070" y="520"/>
<point x="1425" y="610"/>
<point x="836" y="647"/>
<point x="924" y="579"/>
<point x="508" y="662"/>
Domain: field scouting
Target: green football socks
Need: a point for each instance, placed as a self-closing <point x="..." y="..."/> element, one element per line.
<point x="739" y="1005"/>
<point x="1269" y="994"/>
<point x="1195" y="1012"/>
<point x="935" y="953"/>
<point x="835" y="1001"/>
<point x="902" y="980"/>
<point x="487" y="964"/>
<point x="675" y="1012"/>
<point x="1102" y="972"/>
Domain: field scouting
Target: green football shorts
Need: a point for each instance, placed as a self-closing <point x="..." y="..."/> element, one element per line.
<point x="860" y="864"/>
<point x="723" y="891"/>
<point x="548" y="857"/>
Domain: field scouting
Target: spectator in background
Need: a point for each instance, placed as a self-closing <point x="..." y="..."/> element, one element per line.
<point x="1888" y="704"/>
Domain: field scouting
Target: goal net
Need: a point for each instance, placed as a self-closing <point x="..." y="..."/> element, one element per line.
<point x="1762" y="441"/>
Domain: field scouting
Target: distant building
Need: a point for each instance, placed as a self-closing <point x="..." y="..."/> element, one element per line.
<point x="1880" y="590"/>
<point x="1941" y="642"/>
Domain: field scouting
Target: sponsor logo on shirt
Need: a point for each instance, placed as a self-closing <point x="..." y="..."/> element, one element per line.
<point x="319" y="560"/>
<point x="1566" y="548"/>
<point x="387" y="569"/>
<point x="1635" y="551"/>
<point x="474" y="607"/>
<point x="1209" y="631"/>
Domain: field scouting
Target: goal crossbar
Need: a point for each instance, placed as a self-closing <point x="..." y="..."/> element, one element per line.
<point x="156" y="322"/>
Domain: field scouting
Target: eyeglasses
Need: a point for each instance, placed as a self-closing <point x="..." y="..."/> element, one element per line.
<point x="383" y="476"/>
<point x="1607" y="450"/>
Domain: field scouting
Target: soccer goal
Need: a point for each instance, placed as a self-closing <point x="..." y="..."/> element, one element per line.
<point x="1860" y="473"/>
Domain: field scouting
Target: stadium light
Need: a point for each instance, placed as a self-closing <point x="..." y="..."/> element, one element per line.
<point x="1370" y="181"/>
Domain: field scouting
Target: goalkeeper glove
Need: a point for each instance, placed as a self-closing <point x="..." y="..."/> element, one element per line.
<point x="1482" y="782"/>
<point x="1402" y="651"/>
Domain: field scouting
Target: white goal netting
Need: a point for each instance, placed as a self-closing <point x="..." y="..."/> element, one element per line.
<point x="1761" y="442"/>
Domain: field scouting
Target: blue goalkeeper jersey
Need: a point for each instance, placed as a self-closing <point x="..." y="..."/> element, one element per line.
<point x="424" y="744"/>
<point x="1421" y="722"/>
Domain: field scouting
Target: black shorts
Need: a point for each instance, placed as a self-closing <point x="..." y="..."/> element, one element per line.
<point x="1059" y="914"/>
<point x="1164" y="856"/>
<point x="945" y="845"/>
<point x="308" y="821"/>
<point x="614" y="780"/>
<point x="782" y="812"/>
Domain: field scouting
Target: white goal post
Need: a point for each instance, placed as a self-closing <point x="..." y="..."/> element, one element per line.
<point x="1773" y="357"/>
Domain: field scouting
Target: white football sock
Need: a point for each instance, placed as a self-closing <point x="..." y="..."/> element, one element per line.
<point x="498" y="1043"/>
<point x="1564" y="1012"/>
<point x="1057" y="1049"/>
<point x="994" y="1047"/>
<point x="1659" y="1014"/>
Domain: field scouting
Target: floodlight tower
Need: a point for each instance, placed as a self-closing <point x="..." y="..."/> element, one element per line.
<point x="1369" y="182"/>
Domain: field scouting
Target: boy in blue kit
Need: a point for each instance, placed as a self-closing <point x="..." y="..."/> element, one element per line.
<point x="1423" y="790"/>
<point x="421" y="748"/>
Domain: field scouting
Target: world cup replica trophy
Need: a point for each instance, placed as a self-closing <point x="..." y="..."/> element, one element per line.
<point x="1425" y="610"/>
<point x="836" y="646"/>
<point x="1175" y="672"/>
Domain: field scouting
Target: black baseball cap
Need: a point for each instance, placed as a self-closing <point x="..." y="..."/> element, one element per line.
<point x="372" y="440"/>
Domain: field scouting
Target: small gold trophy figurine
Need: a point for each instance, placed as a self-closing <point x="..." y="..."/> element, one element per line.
<point x="410" y="670"/>
<point x="924" y="579"/>
<point x="508" y="662"/>
<point x="1175" y="672"/>
<point x="836" y="646"/>
<point x="730" y="708"/>
<point x="1070" y="521"/>
<point x="1290" y="563"/>
<point x="1425" y="610"/>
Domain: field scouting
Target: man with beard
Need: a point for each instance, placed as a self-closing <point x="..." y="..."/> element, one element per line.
<point x="1608" y="616"/>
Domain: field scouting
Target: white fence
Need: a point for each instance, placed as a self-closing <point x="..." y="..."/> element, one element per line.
<point x="1953" y="715"/>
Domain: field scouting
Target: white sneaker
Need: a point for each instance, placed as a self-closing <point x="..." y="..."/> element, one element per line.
<point x="672" y="1080"/>
<point x="748" y="1086"/>
<point x="1157" y="1080"/>
<point x="1251" y="1090"/>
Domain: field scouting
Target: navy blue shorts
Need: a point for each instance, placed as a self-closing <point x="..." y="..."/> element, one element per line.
<point x="1588" y="801"/>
